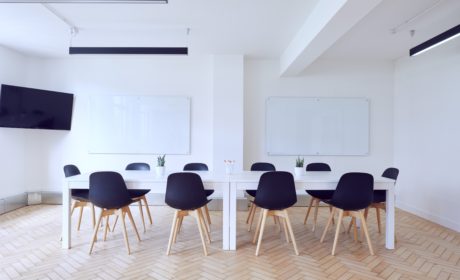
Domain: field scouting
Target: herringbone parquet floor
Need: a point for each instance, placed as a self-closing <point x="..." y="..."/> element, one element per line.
<point x="30" y="249"/>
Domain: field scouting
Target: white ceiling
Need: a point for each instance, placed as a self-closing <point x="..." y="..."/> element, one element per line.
<point x="256" y="28"/>
<point x="371" y="38"/>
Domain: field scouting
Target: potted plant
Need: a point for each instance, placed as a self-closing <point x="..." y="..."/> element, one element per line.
<point x="160" y="168"/>
<point x="299" y="166"/>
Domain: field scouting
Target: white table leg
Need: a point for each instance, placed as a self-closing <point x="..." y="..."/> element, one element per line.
<point x="226" y="218"/>
<point x="390" y="218"/>
<point x="232" y="217"/>
<point x="66" y="218"/>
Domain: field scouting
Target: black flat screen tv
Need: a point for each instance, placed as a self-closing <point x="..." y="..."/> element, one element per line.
<point x="22" y="107"/>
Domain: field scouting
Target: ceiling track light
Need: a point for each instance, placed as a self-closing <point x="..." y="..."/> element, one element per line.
<point x="436" y="41"/>
<point x="87" y="1"/>
<point x="129" y="50"/>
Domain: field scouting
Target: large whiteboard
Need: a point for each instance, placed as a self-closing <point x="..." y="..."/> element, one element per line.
<point x="129" y="124"/>
<point x="317" y="126"/>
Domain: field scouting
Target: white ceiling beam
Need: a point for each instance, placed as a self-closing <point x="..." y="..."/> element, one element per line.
<point x="328" y="21"/>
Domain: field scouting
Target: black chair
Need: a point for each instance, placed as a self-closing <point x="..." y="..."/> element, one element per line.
<point x="275" y="193"/>
<point x="354" y="193"/>
<point x="258" y="166"/>
<point x="185" y="193"/>
<point x="108" y="191"/>
<point x="380" y="196"/>
<point x="317" y="196"/>
<point x="80" y="197"/>
<point x="198" y="166"/>
<point x="138" y="195"/>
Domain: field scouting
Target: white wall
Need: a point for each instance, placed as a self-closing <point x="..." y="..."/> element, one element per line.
<point x="143" y="75"/>
<point x="427" y="134"/>
<point x="373" y="80"/>
<point x="16" y="171"/>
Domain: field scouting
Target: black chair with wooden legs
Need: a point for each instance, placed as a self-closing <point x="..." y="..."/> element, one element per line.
<point x="80" y="197"/>
<point x="185" y="193"/>
<point x="275" y="194"/>
<point x="354" y="193"/>
<point x="198" y="166"/>
<point x="317" y="195"/>
<point x="258" y="166"/>
<point x="108" y="191"/>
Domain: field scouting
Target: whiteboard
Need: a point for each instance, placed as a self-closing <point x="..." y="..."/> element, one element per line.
<point x="317" y="126"/>
<point x="130" y="124"/>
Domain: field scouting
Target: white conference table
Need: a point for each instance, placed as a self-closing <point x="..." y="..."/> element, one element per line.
<point x="229" y="185"/>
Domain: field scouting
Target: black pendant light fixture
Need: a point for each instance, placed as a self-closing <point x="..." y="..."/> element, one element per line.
<point x="89" y="1"/>
<point x="436" y="41"/>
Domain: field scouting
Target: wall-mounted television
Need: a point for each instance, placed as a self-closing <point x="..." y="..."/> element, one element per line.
<point x="22" y="107"/>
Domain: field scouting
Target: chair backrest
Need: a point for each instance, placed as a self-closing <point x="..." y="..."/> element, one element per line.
<point x="138" y="166"/>
<point x="318" y="166"/>
<point x="391" y="173"/>
<point x="276" y="190"/>
<point x="185" y="191"/>
<point x="354" y="191"/>
<point x="108" y="190"/>
<point x="262" y="166"/>
<point x="195" y="166"/>
<point x="71" y="170"/>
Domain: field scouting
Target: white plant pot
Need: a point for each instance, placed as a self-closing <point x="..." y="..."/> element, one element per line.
<point x="160" y="171"/>
<point x="298" y="171"/>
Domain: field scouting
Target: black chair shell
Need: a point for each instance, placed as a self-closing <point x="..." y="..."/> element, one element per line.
<point x="260" y="166"/>
<point x="108" y="190"/>
<point x="323" y="167"/>
<point x="390" y="173"/>
<point x="185" y="191"/>
<point x="198" y="166"/>
<point x="72" y="170"/>
<point x="138" y="166"/>
<point x="355" y="191"/>
<point x="276" y="191"/>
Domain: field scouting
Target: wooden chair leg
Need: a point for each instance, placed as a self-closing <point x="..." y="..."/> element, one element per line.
<point x="355" y="229"/>
<point x="93" y="239"/>
<point x="130" y="216"/>
<point x="207" y="226"/>
<point x="337" y="231"/>
<point x="286" y="233"/>
<point x="147" y="209"/>
<point x="276" y="219"/>
<point x="179" y="226"/>
<point x="330" y="210"/>
<point x="258" y="227"/>
<point x="115" y="223"/>
<point x="308" y="211"/>
<point x="74" y="204"/>
<point x="79" y="218"/>
<point x="252" y="214"/>
<point x="207" y="214"/>
<point x="327" y="225"/>
<point x="199" y="222"/>
<point x="142" y="213"/>
<point x="125" y="233"/>
<point x="291" y="232"/>
<point x="173" y="231"/>
<point x="249" y="212"/>
<point x="366" y="233"/>
<point x="259" y="242"/>
<point x="316" y="214"/>
<point x="204" y="226"/>
<point x="379" y="223"/>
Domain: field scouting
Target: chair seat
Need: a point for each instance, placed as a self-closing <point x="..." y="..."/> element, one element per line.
<point x="341" y="205"/>
<point x="138" y="192"/>
<point x="209" y="192"/>
<point x="322" y="195"/>
<point x="380" y="196"/>
<point x="81" y="195"/>
<point x="251" y="192"/>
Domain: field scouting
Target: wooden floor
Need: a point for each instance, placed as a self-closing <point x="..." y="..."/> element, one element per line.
<point x="30" y="249"/>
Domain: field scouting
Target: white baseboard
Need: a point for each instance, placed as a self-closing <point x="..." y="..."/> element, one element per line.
<point x="453" y="225"/>
<point x="11" y="203"/>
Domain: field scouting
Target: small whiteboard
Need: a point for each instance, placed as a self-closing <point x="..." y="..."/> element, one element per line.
<point x="132" y="124"/>
<point x="317" y="126"/>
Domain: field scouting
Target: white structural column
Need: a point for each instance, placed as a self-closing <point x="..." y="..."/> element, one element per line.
<point x="228" y="111"/>
<point x="328" y="21"/>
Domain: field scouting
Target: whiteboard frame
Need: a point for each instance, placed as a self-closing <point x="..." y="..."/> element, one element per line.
<point x="267" y="142"/>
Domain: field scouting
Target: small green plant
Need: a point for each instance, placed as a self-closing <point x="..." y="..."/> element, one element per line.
<point x="299" y="162"/>
<point x="161" y="160"/>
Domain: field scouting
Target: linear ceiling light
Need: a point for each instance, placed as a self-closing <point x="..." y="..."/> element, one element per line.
<point x="128" y="50"/>
<point x="436" y="41"/>
<point x="89" y="1"/>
